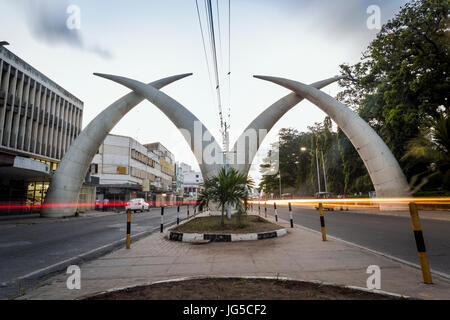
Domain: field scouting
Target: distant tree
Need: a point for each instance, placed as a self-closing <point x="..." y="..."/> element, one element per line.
<point x="402" y="80"/>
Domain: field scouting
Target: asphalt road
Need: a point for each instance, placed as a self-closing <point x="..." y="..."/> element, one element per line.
<point x="25" y="249"/>
<point x="391" y="235"/>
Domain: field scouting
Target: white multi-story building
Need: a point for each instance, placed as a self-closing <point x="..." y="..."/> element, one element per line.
<point x="38" y="122"/>
<point x="192" y="180"/>
<point x="124" y="167"/>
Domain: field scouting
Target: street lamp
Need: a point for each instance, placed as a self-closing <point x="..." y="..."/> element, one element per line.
<point x="279" y="176"/>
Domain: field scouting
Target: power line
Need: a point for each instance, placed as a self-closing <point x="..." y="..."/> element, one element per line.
<point x="229" y="61"/>
<point x="204" y="46"/>
<point x="214" y="55"/>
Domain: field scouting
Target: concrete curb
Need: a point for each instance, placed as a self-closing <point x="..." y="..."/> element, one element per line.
<point x="49" y="271"/>
<point x="197" y="237"/>
<point x="380" y="292"/>
<point x="225" y="237"/>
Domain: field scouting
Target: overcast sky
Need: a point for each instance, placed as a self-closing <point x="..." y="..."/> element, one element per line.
<point x="305" y="40"/>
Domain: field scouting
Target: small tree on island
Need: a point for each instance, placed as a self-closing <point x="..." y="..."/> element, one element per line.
<point x="228" y="187"/>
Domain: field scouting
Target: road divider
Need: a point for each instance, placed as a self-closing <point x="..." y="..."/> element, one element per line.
<point x="420" y="243"/>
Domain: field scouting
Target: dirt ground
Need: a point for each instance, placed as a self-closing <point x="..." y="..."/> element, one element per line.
<point x="239" y="289"/>
<point x="211" y="224"/>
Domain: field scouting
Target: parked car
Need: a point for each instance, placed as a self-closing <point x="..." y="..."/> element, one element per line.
<point x="138" y="204"/>
<point x="326" y="195"/>
<point x="101" y="205"/>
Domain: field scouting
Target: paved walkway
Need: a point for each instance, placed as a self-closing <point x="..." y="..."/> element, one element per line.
<point x="301" y="254"/>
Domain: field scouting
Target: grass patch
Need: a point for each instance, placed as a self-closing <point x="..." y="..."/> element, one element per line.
<point x="211" y="224"/>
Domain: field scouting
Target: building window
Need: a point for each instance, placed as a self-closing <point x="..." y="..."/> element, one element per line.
<point x="94" y="168"/>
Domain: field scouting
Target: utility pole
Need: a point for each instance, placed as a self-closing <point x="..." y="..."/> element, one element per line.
<point x="324" y="174"/>
<point x="318" y="173"/>
<point x="227" y="146"/>
<point x="279" y="176"/>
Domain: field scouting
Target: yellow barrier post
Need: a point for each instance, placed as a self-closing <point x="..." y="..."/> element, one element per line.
<point x="128" y="227"/>
<point x="322" y="222"/>
<point x="187" y="213"/>
<point x="195" y="211"/>
<point x="265" y="209"/>
<point x="259" y="208"/>
<point x="420" y="243"/>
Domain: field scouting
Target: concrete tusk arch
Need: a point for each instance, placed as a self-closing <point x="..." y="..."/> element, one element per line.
<point x="384" y="170"/>
<point x="267" y="119"/>
<point x="191" y="127"/>
<point x="68" y="177"/>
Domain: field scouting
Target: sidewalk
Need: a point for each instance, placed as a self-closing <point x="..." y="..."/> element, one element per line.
<point x="301" y="255"/>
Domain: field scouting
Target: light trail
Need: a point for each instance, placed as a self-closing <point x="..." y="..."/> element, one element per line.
<point x="64" y="205"/>
<point x="357" y="202"/>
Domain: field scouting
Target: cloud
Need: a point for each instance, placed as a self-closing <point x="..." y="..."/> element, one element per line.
<point x="338" y="19"/>
<point x="47" y="21"/>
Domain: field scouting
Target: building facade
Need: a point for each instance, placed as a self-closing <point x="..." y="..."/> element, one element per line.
<point x="38" y="121"/>
<point x="127" y="169"/>
<point x="192" y="180"/>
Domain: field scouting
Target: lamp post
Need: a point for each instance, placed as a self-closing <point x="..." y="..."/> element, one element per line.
<point x="318" y="173"/>
<point x="279" y="176"/>
<point x="324" y="174"/>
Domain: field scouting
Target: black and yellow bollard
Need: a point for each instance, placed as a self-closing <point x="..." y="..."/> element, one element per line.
<point x="322" y="222"/>
<point x="276" y="211"/>
<point x="128" y="228"/>
<point x="420" y="243"/>
<point x="265" y="209"/>
<point x="259" y="208"/>
<point x="187" y="213"/>
<point x="162" y="219"/>
<point x="290" y="215"/>
<point x="195" y="211"/>
<point x="178" y="215"/>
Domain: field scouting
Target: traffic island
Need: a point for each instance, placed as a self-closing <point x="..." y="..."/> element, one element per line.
<point x="205" y="229"/>
<point x="240" y="289"/>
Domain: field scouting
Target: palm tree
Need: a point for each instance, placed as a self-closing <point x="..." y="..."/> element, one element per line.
<point x="228" y="187"/>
